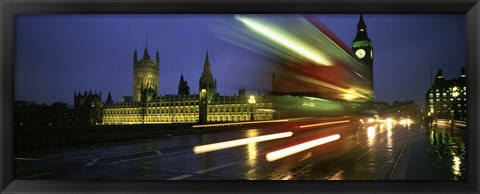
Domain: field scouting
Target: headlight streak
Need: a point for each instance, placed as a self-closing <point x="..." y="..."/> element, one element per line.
<point x="328" y="85"/>
<point x="239" y="142"/>
<point x="371" y="132"/>
<point x="319" y="99"/>
<point x="279" y="154"/>
<point x="239" y="123"/>
<point x="286" y="40"/>
<point x="328" y="123"/>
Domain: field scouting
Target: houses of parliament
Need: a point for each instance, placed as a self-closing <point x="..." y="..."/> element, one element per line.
<point x="146" y="106"/>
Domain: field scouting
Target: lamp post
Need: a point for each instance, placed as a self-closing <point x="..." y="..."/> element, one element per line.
<point x="454" y="94"/>
<point x="252" y="102"/>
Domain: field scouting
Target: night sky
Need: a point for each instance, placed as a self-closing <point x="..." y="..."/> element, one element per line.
<point x="56" y="55"/>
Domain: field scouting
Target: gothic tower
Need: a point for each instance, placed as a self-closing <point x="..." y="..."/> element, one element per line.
<point x="207" y="90"/>
<point x="145" y="74"/>
<point x="207" y="81"/>
<point x="183" y="88"/>
<point x="363" y="49"/>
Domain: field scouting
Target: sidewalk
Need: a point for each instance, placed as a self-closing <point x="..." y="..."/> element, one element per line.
<point x="417" y="160"/>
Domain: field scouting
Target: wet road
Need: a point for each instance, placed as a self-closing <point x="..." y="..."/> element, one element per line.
<point x="377" y="152"/>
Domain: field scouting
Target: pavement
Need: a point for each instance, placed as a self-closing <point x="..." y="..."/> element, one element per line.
<point x="429" y="155"/>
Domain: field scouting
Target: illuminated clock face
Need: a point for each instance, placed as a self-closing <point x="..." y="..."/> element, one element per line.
<point x="360" y="53"/>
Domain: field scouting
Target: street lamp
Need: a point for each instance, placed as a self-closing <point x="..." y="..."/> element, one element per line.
<point x="454" y="94"/>
<point x="252" y="102"/>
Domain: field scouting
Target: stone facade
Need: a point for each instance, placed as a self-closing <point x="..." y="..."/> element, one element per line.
<point x="186" y="109"/>
<point x="207" y="106"/>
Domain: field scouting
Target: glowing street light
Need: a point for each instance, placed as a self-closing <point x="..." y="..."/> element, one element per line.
<point x="252" y="102"/>
<point x="454" y="94"/>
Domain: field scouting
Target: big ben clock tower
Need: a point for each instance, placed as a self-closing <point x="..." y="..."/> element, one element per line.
<point x="361" y="45"/>
<point x="363" y="49"/>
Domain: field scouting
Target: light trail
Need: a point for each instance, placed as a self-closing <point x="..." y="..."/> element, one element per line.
<point x="240" y="123"/>
<point x="272" y="156"/>
<point x="328" y="85"/>
<point x="287" y="41"/>
<point x="328" y="123"/>
<point x="239" y="142"/>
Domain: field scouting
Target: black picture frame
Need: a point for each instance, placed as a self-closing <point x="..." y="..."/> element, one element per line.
<point x="9" y="8"/>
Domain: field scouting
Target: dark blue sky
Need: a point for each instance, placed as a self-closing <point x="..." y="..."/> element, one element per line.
<point x="56" y="55"/>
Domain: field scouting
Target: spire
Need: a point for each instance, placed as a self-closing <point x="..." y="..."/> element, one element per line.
<point x="361" y="30"/>
<point x="109" y="98"/>
<point x="157" y="57"/>
<point x="145" y="52"/>
<point x="206" y="65"/>
<point x="361" y="23"/>
<point x="206" y="55"/>
<point x="135" y="56"/>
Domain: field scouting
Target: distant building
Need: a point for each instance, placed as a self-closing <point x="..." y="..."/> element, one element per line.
<point x="29" y="114"/>
<point x="381" y="106"/>
<point x="147" y="107"/>
<point x="447" y="99"/>
<point x="404" y="109"/>
<point x="87" y="108"/>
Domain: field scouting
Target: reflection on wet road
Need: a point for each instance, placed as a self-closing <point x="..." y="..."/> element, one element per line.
<point x="302" y="149"/>
<point x="448" y="147"/>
